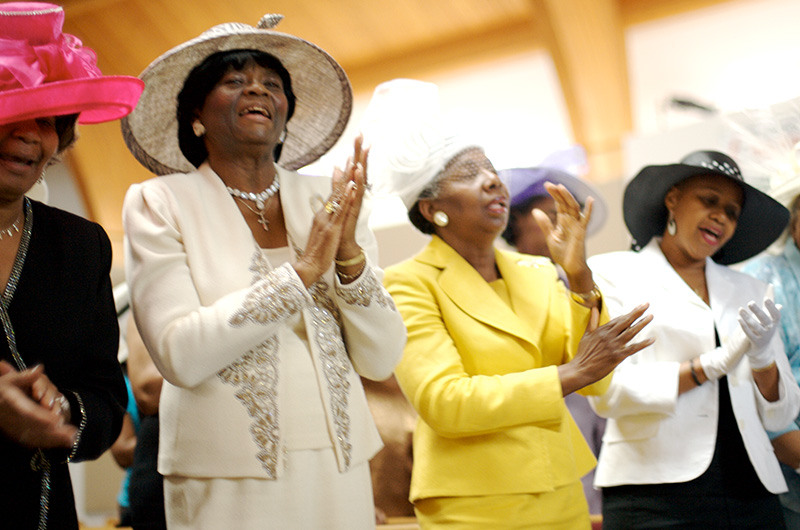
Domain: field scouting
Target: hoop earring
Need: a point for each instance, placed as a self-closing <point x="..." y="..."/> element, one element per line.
<point x="440" y="219"/>
<point x="672" y="228"/>
<point x="198" y="129"/>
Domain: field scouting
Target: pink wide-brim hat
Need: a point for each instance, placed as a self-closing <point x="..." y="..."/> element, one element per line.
<point x="45" y="72"/>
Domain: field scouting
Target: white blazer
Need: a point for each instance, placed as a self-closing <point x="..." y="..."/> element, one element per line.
<point x="211" y="311"/>
<point x="653" y="435"/>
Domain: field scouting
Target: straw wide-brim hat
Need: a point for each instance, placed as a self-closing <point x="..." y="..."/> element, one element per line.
<point x="761" y="221"/>
<point x="45" y="72"/>
<point x="525" y="183"/>
<point x="323" y="95"/>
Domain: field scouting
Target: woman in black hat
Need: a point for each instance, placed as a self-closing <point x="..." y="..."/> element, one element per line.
<point x="685" y="443"/>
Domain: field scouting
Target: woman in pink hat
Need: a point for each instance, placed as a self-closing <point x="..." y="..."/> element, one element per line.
<point x="62" y="395"/>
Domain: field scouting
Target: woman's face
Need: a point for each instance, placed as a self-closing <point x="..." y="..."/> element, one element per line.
<point x="246" y="107"/>
<point x="706" y="209"/>
<point x="472" y="196"/>
<point x="26" y="149"/>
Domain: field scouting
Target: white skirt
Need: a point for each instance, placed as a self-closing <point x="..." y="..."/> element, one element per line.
<point x="312" y="494"/>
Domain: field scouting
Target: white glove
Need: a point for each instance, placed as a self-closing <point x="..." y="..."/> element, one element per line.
<point x="722" y="360"/>
<point x="759" y="326"/>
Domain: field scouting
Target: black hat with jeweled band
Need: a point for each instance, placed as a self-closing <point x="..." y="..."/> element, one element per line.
<point x="761" y="221"/>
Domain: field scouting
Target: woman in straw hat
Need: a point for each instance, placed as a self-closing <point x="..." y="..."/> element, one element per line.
<point x="495" y="341"/>
<point x="255" y="288"/>
<point x="782" y="270"/>
<point x="62" y="395"/>
<point x="685" y="443"/>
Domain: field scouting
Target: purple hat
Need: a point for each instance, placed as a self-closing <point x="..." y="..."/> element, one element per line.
<point x="527" y="183"/>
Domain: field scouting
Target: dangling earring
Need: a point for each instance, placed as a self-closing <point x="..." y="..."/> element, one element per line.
<point x="198" y="128"/>
<point x="672" y="228"/>
<point x="440" y="219"/>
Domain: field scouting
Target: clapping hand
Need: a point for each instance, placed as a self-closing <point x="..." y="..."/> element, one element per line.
<point x="566" y="238"/>
<point x="31" y="413"/>
<point x="760" y="324"/>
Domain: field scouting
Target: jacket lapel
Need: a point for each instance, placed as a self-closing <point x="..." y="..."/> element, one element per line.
<point x="471" y="293"/>
<point x="721" y="292"/>
<point x="659" y="270"/>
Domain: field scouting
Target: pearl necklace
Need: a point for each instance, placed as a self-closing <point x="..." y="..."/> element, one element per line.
<point x="259" y="198"/>
<point x="11" y="230"/>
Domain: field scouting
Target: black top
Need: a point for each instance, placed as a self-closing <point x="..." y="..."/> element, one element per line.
<point x="63" y="317"/>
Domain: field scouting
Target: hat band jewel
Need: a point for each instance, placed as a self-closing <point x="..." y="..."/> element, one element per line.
<point x="725" y="167"/>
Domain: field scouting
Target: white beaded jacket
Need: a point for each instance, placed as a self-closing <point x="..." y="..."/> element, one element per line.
<point x="210" y="309"/>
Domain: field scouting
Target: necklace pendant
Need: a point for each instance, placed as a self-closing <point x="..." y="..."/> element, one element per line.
<point x="263" y="221"/>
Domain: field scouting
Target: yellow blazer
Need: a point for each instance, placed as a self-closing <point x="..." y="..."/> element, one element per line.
<point x="483" y="377"/>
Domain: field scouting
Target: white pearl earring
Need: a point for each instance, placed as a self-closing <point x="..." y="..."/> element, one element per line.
<point x="198" y="128"/>
<point x="440" y="218"/>
<point x="672" y="228"/>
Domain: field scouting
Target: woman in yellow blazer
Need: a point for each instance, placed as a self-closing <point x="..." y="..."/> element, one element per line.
<point x="495" y="341"/>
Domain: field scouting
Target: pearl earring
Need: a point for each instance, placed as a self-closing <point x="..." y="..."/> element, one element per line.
<point x="198" y="128"/>
<point x="440" y="218"/>
<point x="672" y="228"/>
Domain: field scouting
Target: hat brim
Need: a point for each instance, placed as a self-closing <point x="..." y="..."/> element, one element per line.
<point x="322" y="90"/>
<point x="760" y="223"/>
<point x="97" y="99"/>
<point x="523" y="184"/>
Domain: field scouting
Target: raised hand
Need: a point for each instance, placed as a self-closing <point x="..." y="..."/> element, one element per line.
<point x="566" y="239"/>
<point x="356" y="172"/>
<point x="760" y="324"/>
<point x="326" y="232"/>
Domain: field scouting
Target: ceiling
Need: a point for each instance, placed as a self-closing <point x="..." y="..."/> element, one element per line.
<point x="375" y="40"/>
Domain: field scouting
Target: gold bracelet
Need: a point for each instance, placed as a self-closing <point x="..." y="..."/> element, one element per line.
<point x="587" y="299"/>
<point x="352" y="261"/>
<point x="350" y="277"/>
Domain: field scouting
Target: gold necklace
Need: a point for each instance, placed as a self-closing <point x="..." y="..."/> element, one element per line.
<point x="261" y="212"/>
<point x="11" y="230"/>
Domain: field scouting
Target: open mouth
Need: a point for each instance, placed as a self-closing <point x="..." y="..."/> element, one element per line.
<point x="22" y="160"/>
<point x="256" y="110"/>
<point x="711" y="235"/>
<point x="499" y="204"/>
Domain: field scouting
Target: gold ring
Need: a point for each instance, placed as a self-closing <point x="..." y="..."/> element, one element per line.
<point x="331" y="207"/>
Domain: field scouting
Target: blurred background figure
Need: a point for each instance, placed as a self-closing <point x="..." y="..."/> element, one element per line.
<point x="391" y="467"/>
<point x="783" y="272"/>
<point x="685" y="444"/>
<point x="146" y="490"/>
<point x="124" y="446"/>
<point x="527" y="189"/>
<point x="62" y="393"/>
